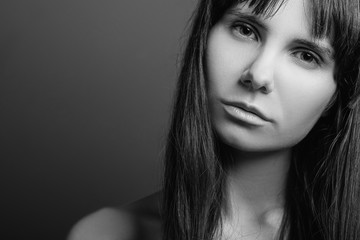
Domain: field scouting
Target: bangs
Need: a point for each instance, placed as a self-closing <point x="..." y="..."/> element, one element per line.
<point x="321" y="12"/>
<point x="326" y="14"/>
<point x="322" y="18"/>
<point x="336" y="17"/>
<point x="337" y="20"/>
<point x="267" y="8"/>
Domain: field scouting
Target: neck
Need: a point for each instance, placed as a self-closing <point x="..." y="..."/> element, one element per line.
<point x="256" y="184"/>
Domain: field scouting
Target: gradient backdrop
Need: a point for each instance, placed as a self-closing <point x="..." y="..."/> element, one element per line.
<point x="85" y="94"/>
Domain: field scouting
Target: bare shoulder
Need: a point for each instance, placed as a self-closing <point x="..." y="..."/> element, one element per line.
<point x="105" y="224"/>
<point x="138" y="220"/>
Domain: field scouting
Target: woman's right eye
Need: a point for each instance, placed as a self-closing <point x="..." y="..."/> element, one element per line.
<point x="244" y="30"/>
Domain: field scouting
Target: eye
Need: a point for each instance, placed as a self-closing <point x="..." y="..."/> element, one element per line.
<point x="308" y="58"/>
<point x="245" y="30"/>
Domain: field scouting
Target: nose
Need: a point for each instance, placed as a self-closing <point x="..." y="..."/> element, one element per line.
<point x="259" y="76"/>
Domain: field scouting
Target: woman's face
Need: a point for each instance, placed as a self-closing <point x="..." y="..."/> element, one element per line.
<point x="269" y="79"/>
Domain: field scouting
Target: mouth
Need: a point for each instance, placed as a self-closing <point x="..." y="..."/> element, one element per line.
<point x="246" y="113"/>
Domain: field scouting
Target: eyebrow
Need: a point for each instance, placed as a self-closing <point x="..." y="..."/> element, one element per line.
<point x="254" y="19"/>
<point x="248" y="17"/>
<point x="323" y="50"/>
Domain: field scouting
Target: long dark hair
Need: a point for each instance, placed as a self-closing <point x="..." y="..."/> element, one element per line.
<point x="323" y="192"/>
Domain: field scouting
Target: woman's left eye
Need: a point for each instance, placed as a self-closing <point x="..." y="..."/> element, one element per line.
<point x="307" y="58"/>
<point x="245" y="31"/>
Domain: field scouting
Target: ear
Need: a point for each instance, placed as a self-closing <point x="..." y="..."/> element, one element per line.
<point x="330" y="104"/>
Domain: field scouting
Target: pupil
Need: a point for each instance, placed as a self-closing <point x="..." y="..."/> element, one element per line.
<point x="307" y="57"/>
<point x="245" y="31"/>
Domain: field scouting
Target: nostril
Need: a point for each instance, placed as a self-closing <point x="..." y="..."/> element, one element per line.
<point x="247" y="82"/>
<point x="255" y="86"/>
<point x="264" y="89"/>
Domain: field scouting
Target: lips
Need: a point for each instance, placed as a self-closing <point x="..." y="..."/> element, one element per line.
<point x="248" y="108"/>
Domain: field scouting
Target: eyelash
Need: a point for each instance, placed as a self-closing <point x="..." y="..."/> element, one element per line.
<point x="315" y="59"/>
<point x="237" y="27"/>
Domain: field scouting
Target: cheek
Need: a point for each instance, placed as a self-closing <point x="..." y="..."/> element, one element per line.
<point x="226" y="60"/>
<point x="220" y="67"/>
<point x="304" y="102"/>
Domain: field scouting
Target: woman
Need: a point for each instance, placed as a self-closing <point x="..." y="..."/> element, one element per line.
<point x="265" y="130"/>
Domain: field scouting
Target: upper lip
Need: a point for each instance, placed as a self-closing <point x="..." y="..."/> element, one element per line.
<point x="248" y="108"/>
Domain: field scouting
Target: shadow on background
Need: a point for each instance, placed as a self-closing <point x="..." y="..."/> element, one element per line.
<point x="85" y="93"/>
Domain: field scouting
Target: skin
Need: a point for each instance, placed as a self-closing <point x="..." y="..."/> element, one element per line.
<point x="270" y="70"/>
<point x="137" y="221"/>
<point x="265" y="67"/>
<point x="271" y="64"/>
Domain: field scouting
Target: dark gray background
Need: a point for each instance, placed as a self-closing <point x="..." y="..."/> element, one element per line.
<point x="85" y="93"/>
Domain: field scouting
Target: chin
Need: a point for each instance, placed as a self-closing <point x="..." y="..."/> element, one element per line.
<point x="250" y="147"/>
<point x="251" y="143"/>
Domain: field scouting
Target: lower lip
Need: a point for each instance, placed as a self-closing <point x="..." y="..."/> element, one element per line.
<point x="244" y="116"/>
